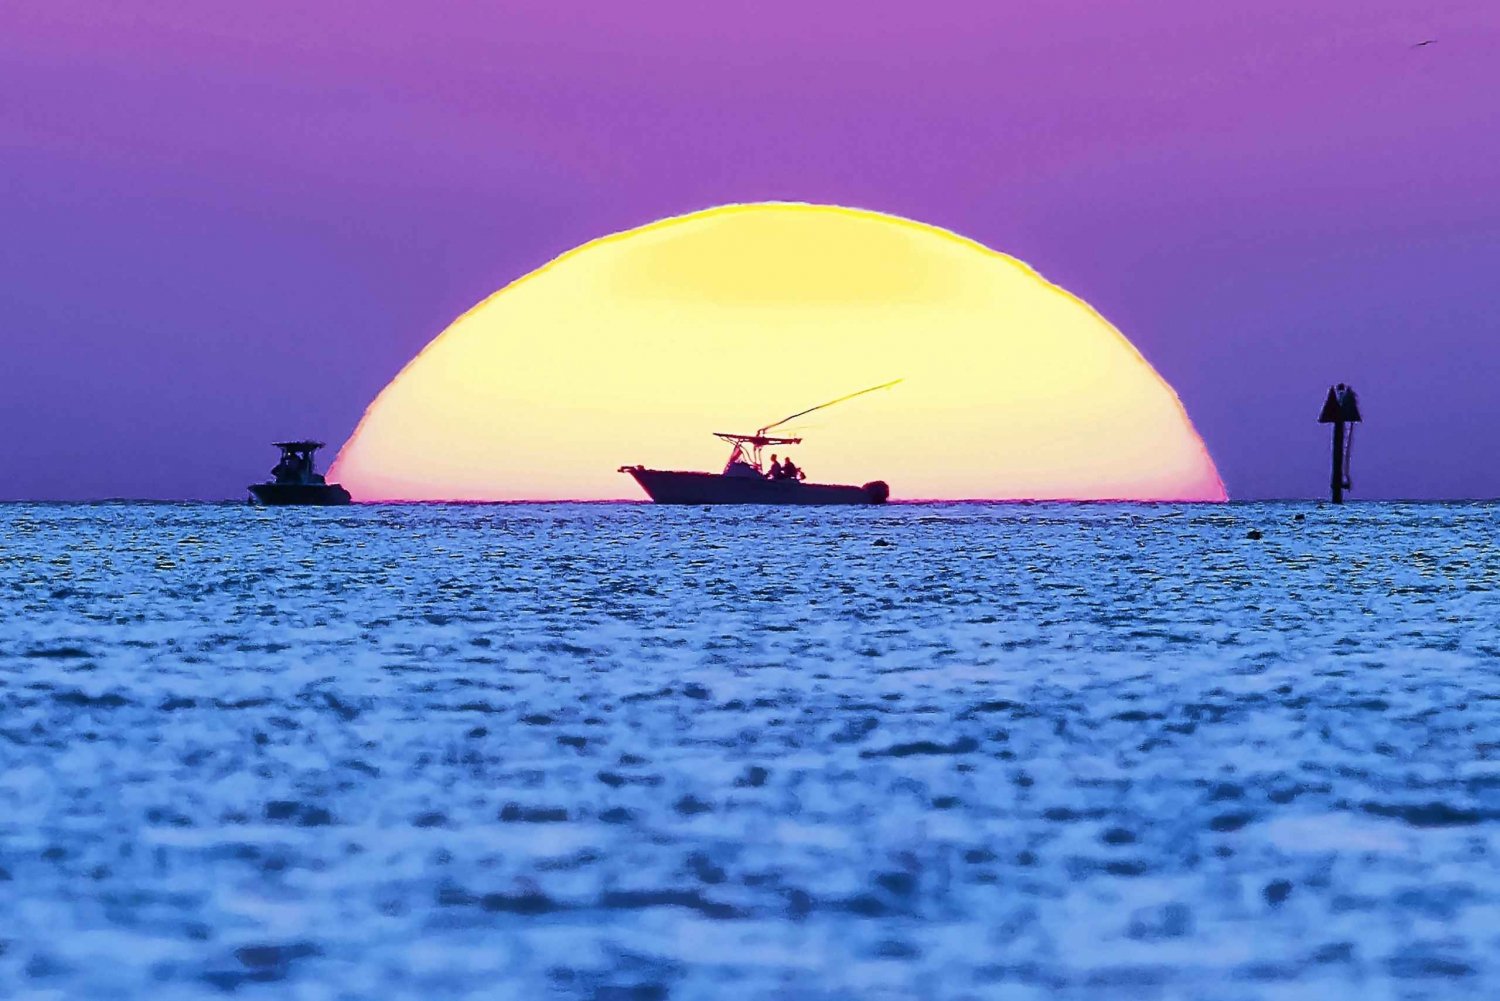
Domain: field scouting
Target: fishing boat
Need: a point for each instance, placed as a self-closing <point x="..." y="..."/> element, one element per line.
<point x="746" y="480"/>
<point x="295" y="479"/>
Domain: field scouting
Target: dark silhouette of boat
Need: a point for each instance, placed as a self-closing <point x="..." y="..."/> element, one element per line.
<point x="296" y="481"/>
<point x="745" y="480"/>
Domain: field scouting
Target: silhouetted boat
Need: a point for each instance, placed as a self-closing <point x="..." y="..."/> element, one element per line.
<point x="746" y="481"/>
<point x="296" y="481"/>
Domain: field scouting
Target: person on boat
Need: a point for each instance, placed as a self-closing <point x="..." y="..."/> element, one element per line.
<point x="295" y="467"/>
<point x="774" y="471"/>
<point x="789" y="471"/>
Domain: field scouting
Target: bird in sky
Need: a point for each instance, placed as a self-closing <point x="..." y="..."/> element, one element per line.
<point x="1426" y="42"/>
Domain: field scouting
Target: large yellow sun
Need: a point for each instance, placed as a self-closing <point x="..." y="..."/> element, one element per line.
<point x="632" y="349"/>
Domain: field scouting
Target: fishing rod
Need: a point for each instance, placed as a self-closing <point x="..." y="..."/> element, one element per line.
<point x="802" y="413"/>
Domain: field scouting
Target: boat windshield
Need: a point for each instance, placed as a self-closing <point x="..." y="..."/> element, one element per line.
<point x="742" y="463"/>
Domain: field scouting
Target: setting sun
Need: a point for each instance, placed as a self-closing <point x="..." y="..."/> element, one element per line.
<point x="635" y="347"/>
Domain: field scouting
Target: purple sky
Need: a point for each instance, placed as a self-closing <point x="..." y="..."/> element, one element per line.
<point x="220" y="223"/>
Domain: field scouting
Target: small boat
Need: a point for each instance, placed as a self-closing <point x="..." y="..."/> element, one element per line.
<point x="745" y="480"/>
<point x="296" y="481"/>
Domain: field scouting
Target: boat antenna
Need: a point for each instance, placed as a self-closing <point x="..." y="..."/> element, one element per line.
<point x="884" y="385"/>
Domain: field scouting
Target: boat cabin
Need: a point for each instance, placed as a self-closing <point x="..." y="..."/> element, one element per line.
<point x="295" y="467"/>
<point x="745" y="453"/>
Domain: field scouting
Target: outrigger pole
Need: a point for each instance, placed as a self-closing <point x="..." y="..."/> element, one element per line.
<point x="802" y="413"/>
<point x="760" y="440"/>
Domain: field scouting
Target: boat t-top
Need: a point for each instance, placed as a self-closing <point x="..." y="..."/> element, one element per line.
<point x="295" y="479"/>
<point x="746" y="480"/>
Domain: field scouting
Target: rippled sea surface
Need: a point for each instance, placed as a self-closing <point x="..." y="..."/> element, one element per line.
<point x="617" y="751"/>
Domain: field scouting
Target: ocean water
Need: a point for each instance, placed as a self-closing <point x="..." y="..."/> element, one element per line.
<point x="617" y="751"/>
